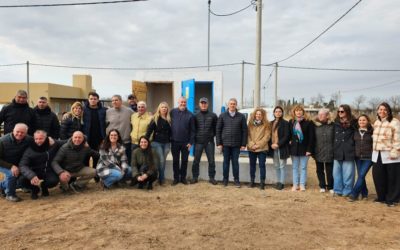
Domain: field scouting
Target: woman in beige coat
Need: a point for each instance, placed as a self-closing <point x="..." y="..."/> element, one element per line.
<point x="259" y="133"/>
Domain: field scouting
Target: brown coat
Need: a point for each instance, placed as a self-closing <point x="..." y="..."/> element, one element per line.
<point x="258" y="135"/>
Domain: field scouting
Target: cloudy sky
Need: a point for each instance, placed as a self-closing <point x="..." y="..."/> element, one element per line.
<point x="169" y="33"/>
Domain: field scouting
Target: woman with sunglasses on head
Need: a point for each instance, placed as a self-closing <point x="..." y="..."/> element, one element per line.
<point x="344" y="151"/>
<point x="386" y="156"/>
<point x="113" y="163"/>
<point x="279" y="148"/>
<point x="363" y="146"/>
<point x="302" y="143"/>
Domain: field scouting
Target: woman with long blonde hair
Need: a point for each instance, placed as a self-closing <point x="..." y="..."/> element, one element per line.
<point x="259" y="133"/>
<point x="72" y="121"/>
<point x="160" y="128"/>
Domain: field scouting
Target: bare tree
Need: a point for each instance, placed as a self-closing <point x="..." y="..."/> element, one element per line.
<point x="358" y="101"/>
<point x="335" y="98"/>
<point x="395" y="102"/>
<point x="374" y="102"/>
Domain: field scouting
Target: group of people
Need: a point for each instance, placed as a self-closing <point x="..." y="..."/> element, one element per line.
<point x="130" y="144"/>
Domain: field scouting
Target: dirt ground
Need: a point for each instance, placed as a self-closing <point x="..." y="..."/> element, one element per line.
<point x="199" y="216"/>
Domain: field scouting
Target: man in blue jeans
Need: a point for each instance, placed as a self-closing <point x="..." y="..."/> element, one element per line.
<point x="205" y="123"/>
<point x="182" y="139"/>
<point x="12" y="147"/>
<point x="231" y="138"/>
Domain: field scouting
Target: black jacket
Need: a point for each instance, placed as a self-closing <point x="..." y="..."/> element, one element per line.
<point x="17" y="113"/>
<point x="324" y="138"/>
<point x="363" y="144"/>
<point x="283" y="139"/>
<point x="205" y="124"/>
<point x="87" y="119"/>
<point x="11" y="150"/>
<point x="182" y="126"/>
<point x="161" y="131"/>
<point x="69" y="126"/>
<point x="343" y="148"/>
<point x="232" y="131"/>
<point x="73" y="158"/>
<point x="47" y="121"/>
<point x="37" y="159"/>
<point x="298" y="148"/>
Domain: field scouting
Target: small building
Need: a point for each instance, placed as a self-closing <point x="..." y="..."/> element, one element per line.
<point x="60" y="97"/>
<point x="154" y="87"/>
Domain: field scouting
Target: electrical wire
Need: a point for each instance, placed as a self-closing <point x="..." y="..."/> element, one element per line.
<point x="371" y="87"/>
<point x="323" y="32"/>
<point x="269" y="78"/>
<point x="235" y="12"/>
<point x="12" y="64"/>
<point x="339" y="69"/>
<point x="127" y="68"/>
<point x="67" y="4"/>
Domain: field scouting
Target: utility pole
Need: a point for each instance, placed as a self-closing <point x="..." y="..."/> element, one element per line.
<point x="27" y="79"/>
<point x="276" y="84"/>
<point x="258" y="54"/>
<point x="242" y="86"/>
<point x="208" y="44"/>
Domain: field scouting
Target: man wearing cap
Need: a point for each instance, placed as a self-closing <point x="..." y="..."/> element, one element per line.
<point x="205" y="124"/>
<point x="132" y="101"/>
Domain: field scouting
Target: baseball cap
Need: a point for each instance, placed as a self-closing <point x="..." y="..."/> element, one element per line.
<point x="204" y="99"/>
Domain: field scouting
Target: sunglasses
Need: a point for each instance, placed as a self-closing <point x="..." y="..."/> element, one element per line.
<point x="341" y="111"/>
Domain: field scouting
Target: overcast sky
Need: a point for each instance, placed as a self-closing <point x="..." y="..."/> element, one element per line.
<point x="167" y="33"/>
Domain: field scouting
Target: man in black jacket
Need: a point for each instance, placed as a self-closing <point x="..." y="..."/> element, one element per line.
<point x="183" y="131"/>
<point x="35" y="165"/>
<point x="72" y="160"/>
<point x="45" y="119"/>
<point x="231" y="138"/>
<point x="205" y="124"/>
<point x="18" y="111"/>
<point x="12" y="146"/>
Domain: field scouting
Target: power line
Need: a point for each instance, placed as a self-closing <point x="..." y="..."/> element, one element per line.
<point x="371" y="87"/>
<point x="235" y="12"/>
<point x="338" y="69"/>
<point x="12" y="64"/>
<point x="269" y="78"/>
<point x="67" y="4"/>
<point x="128" y="68"/>
<point x="323" y="32"/>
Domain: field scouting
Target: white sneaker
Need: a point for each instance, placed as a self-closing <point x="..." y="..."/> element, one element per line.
<point x="302" y="188"/>
<point x="322" y="190"/>
<point x="331" y="191"/>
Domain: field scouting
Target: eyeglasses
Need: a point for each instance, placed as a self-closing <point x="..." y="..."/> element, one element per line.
<point x="341" y="111"/>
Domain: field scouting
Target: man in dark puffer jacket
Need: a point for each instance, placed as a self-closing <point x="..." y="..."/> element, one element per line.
<point x="205" y="123"/>
<point x="231" y="138"/>
<point x="45" y="119"/>
<point x="18" y="111"/>
<point x="72" y="160"/>
<point x="35" y="165"/>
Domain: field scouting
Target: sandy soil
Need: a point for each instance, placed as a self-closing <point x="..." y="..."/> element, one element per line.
<point x="199" y="216"/>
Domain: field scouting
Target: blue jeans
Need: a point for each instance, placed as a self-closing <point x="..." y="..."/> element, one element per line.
<point x="299" y="162"/>
<point x="363" y="167"/>
<point x="279" y="165"/>
<point x="210" y="152"/>
<point x="231" y="154"/>
<point x="9" y="184"/>
<point x="116" y="175"/>
<point x="179" y="150"/>
<point x="343" y="177"/>
<point x="262" y="156"/>
<point x="162" y="150"/>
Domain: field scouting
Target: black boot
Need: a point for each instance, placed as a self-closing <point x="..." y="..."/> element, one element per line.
<point x="262" y="184"/>
<point x="150" y="185"/>
<point x="252" y="184"/>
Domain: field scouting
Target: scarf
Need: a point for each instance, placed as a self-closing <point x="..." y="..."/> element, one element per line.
<point x="297" y="129"/>
<point x="257" y="123"/>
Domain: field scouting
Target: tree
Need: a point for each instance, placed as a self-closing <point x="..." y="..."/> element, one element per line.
<point x="335" y="97"/>
<point x="358" y="101"/>
<point x="374" y="102"/>
<point x="395" y="102"/>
